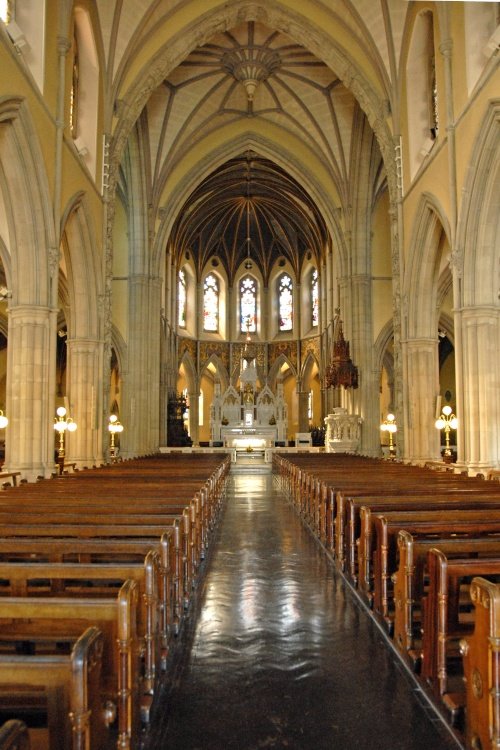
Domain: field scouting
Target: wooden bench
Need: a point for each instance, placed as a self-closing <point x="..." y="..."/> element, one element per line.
<point x="481" y="667"/>
<point x="63" y="618"/>
<point x="90" y="581"/>
<point x="71" y="683"/>
<point x="443" y="624"/>
<point x="442" y="523"/>
<point x="410" y="581"/>
<point x="359" y="511"/>
<point x="14" y="735"/>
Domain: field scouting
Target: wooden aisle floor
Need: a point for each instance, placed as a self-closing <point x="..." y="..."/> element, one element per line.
<point x="278" y="653"/>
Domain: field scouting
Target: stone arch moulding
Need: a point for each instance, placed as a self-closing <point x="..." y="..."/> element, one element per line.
<point x="478" y="238"/>
<point x="297" y="27"/>
<point x="221" y="371"/>
<point x="35" y="260"/>
<point x="274" y="371"/>
<point x="421" y="282"/>
<point x="82" y="265"/>
<point x="381" y="344"/>
<point x="186" y="360"/>
<point x="307" y="367"/>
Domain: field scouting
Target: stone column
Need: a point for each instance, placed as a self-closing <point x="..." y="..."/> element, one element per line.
<point x="303" y="403"/>
<point x="194" y="416"/>
<point x="141" y="410"/>
<point x="30" y="396"/>
<point x="422" y="440"/>
<point x="479" y="423"/>
<point x="84" y="366"/>
<point x="366" y="398"/>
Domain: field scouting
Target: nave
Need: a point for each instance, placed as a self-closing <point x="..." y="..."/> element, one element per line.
<point x="278" y="653"/>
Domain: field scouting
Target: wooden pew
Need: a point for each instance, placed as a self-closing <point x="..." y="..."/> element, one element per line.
<point x="93" y="580"/>
<point x="359" y="512"/>
<point x="481" y="665"/>
<point x="72" y="684"/>
<point x="14" y="735"/>
<point x="63" y="618"/>
<point x="410" y="581"/>
<point x="442" y="523"/>
<point x="443" y="624"/>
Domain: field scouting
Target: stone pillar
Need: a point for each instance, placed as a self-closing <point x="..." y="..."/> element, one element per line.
<point x="365" y="400"/>
<point x="30" y="396"/>
<point x="141" y="407"/>
<point x="479" y="424"/>
<point x="303" y="404"/>
<point x="194" y="416"/>
<point x="84" y="365"/>
<point x="422" y="440"/>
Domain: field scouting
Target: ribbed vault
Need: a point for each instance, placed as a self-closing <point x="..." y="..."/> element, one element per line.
<point x="250" y="211"/>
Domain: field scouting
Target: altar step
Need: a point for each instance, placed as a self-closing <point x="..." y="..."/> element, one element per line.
<point x="255" y="465"/>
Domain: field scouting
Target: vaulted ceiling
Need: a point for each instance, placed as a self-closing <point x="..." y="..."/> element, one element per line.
<point x="253" y="84"/>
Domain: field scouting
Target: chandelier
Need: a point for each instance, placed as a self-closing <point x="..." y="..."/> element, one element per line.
<point x="341" y="370"/>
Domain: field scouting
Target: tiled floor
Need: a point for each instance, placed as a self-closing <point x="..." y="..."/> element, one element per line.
<point x="278" y="653"/>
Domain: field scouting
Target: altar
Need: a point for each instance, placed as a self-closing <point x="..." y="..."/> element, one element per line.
<point x="248" y="416"/>
<point x="244" y="439"/>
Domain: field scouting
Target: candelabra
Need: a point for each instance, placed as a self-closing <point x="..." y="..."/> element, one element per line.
<point x="389" y="425"/>
<point x="62" y="423"/>
<point x="447" y="422"/>
<point x="114" y="427"/>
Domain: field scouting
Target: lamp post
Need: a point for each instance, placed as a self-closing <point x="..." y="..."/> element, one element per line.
<point x="114" y="427"/>
<point x="389" y="425"/>
<point x="447" y="422"/>
<point x="62" y="423"/>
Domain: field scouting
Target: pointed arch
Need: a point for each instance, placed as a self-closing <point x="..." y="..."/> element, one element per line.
<point x="25" y="187"/>
<point x="82" y="268"/>
<point x="479" y="226"/>
<point x="422" y="279"/>
<point x="217" y="368"/>
<point x="275" y="371"/>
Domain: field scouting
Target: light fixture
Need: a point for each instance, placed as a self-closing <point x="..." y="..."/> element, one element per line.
<point x="389" y="425"/>
<point x="62" y="423"/>
<point x="3" y="420"/>
<point x="114" y="427"/>
<point x="447" y="422"/>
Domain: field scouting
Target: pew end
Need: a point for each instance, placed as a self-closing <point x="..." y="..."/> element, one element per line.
<point x="481" y="663"/>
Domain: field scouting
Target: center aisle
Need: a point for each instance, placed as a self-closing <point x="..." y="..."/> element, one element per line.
<point x="278" y="653"/>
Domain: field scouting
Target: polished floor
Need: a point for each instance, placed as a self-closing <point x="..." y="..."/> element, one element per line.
<point x="277" y="653"/>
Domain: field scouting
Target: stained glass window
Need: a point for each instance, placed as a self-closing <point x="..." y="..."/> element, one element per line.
<point x="182" y="298"/>
<point x="5" y="15"/>
<point x="285" y="303"/>
<point x="314" y="298"/>
<point x="211" y="304"/>
<point x="75" y="91"/>
<point x="248" y="305"/>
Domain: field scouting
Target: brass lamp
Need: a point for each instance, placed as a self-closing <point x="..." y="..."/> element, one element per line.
<point x="447" y="422"/>
<point x="62" y="423"/>
<point x="114" y="427"/>
<point x="389" y="425"/>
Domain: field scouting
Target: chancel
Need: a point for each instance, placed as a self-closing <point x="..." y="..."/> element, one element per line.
<point x="264" y="236"/>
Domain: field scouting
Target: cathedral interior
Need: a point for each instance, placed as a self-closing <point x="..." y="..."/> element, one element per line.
<point x="177" y="178"/>
<point x="232" y="232"/>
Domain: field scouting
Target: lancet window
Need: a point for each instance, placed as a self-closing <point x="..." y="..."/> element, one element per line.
<point x="248" y="305"/>
<point x="182" y="299"/>
<point x="211" y="304"/>
<point x="314" y="298"/>
<point x="75" y="90"/>
<point x="285" y="303"/>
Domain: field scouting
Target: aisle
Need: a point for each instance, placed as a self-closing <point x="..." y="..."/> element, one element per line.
<point x="281" y="655"/>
